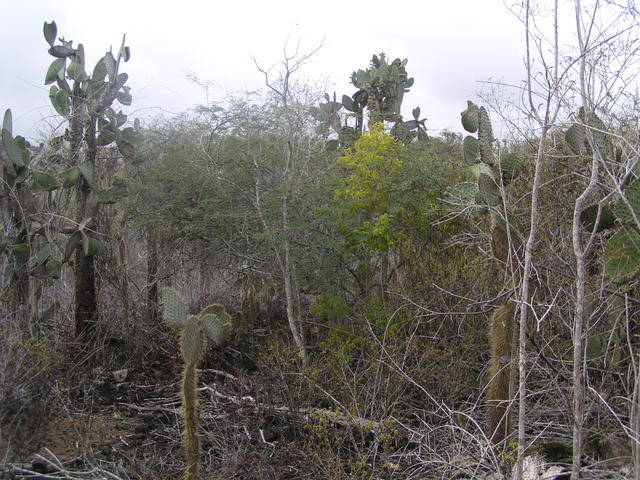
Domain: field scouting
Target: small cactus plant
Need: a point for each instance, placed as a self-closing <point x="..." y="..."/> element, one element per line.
<point x="213" y="323"/>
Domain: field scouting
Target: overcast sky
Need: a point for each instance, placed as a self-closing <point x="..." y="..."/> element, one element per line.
<point x="451" y="45"/>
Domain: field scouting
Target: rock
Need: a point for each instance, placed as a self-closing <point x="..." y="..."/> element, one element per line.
<point x="120" y="375"/>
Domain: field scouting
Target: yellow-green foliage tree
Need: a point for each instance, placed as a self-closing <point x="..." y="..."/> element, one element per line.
<point x="374" y="166"/>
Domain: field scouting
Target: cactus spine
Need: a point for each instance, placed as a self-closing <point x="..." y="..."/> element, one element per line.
<point x="213" y="322"/>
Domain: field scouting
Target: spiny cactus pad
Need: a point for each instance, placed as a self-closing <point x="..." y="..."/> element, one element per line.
<point x="470" y="118"/>
<point x="463" y="193"/>
<point x="589" y="215"/>
<point x="489" y="190"/>
<point x="175" y="308"/>
<point x="575" y="138"/>
<point x="193" y="341"/>
<point x="510" y="166"/>
<point x="470" y="149"/>
<point x="485" y="137"/>
<point x="622" y="255"/>
<point x="216" y="327"/>
<point x="632" y="194"/>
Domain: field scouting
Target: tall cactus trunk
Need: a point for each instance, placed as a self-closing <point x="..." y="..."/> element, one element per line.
<point x="191" y="421"/>
<point x="85" y="289"/>
<point x="499" y="396"/>
<point x="19" y="281"/>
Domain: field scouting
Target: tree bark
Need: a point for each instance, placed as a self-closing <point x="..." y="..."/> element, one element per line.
<point x="153" y="314"/>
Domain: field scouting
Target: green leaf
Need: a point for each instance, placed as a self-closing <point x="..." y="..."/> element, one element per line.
<point x="121" y="80"/>
<point x="86" y="169"/>
<point x="7" y="122"/>
<point x="126" y="53"/>
<point x="110" y="65"/>
<point x="80" y="55"/>
<point x="120" y="118"/>
<point x="60" y="51"/>
<point x="71" y="176"/>
<point x="12" y="148"/>
<point x="85" y="242"/>
<point x="622" y="256"/>
<point x="43" y="256"/>
<point x="20" y="248"/>
<point x="76" y="72"/>
<point x="115" y="193"/>
<point x="132" y="136"/>
<point x="99" y="71"/>
<point x="72" y="244"/>
<point x="96" y="247"/>
<point x="59" y="100"/>
<point x="107" y="136"/>
<point x="54" y="70"/>
<point x="54" y="268"/>
<point x="50" y="32"/>
<point x="332" y="145"/>
<point x="347" y="102"/>
<point x="126" y="149"/>
<point x="124" y="97"/>
<point x="44" y="181"/>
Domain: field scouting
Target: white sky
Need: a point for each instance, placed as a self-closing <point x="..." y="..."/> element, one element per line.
<point x="450" y="44"/>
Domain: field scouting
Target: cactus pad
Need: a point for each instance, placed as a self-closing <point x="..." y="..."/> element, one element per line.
<point x="510" y="167"/>
<point x="193" y="340"/>
<point x="470" y="149"/>
<point x="175" y="309"/>
<point x="470" y="118"/>
<point x="216" y="327"/>
<point x="575" y="137"/>
<point x="485" y="136"/>
<point x="589" y="215"/>
<point x="622" y="255"/>
<point x="632" y="194"/>
<point x="489" y="190"/>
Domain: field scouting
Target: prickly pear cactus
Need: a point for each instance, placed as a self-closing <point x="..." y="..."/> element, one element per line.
<point x="622" y="253"/>
<point x="626" y="215"/>
<point x="213" y="323"/>
<point x="478" y="152"/>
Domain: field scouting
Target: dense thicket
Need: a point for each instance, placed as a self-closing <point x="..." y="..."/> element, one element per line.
<point x="396" y="297"/>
